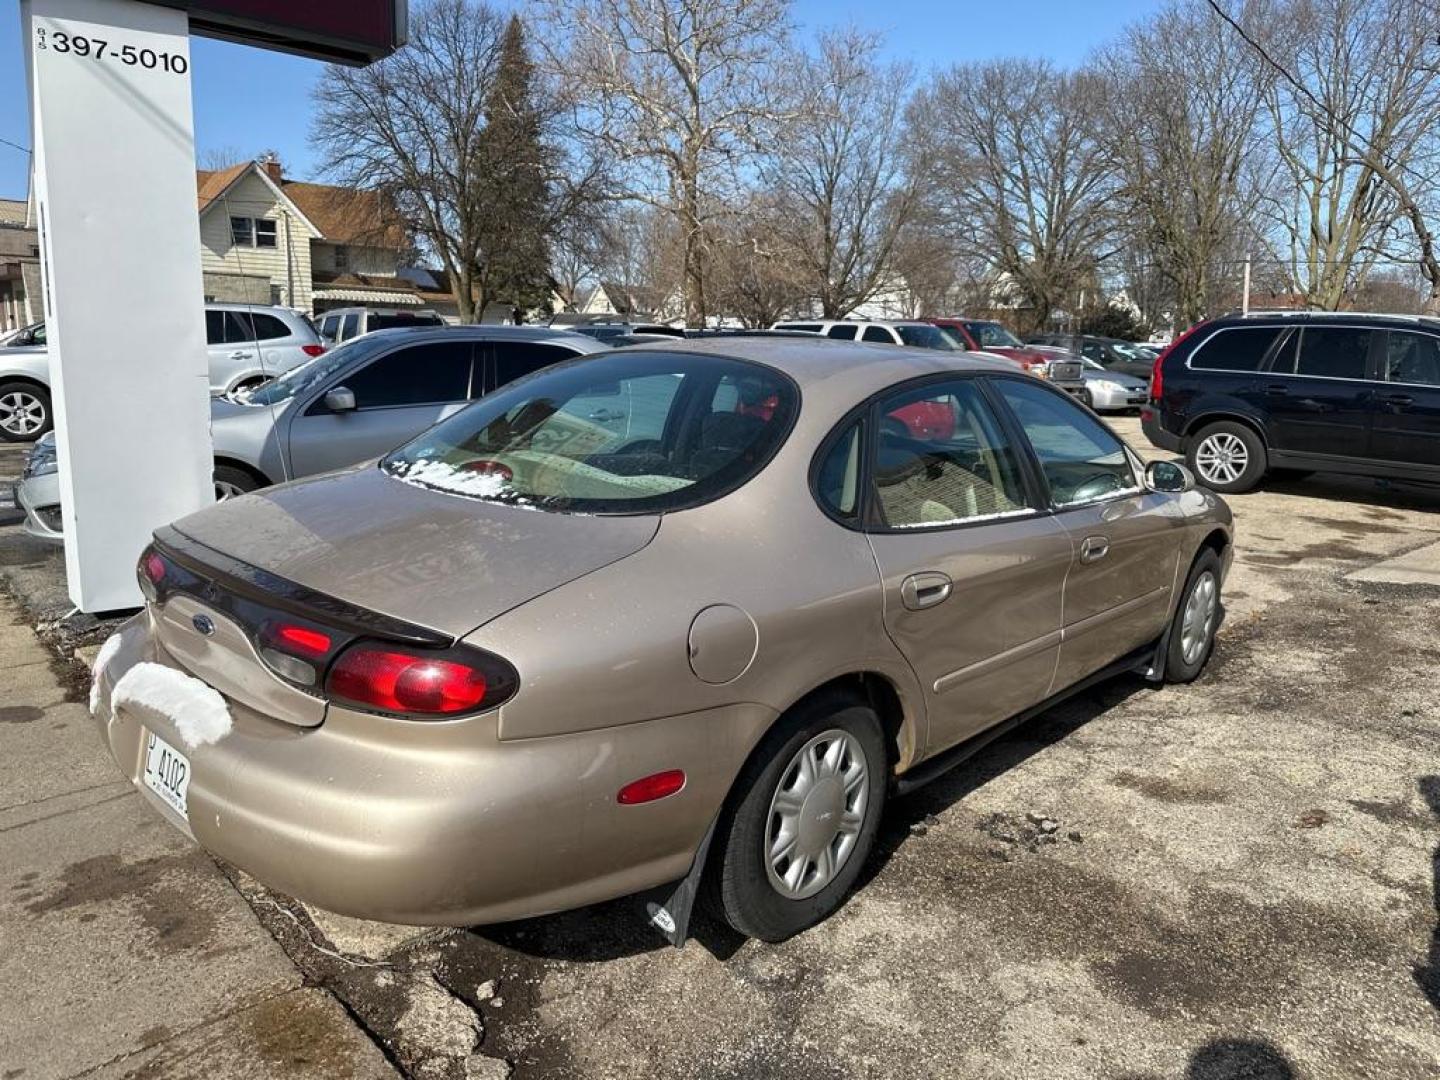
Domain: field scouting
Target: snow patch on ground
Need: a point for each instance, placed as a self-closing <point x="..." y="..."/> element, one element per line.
<point x="102" y="660"/>
<point x="198" y="712"/>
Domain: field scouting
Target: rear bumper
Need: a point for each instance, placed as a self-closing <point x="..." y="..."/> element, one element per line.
<point x="1151" y="422"/>
<point x="436" y="823"/>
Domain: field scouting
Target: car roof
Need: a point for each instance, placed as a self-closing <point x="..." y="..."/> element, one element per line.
<point x="489" y="332"/>
<point x="811" y="360"/>
<point x="1261" y="318"/>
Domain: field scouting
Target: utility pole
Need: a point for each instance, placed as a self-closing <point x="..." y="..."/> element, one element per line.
<point x="1245" y="299"/>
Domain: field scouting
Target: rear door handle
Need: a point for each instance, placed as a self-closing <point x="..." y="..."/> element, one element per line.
<point x="1094" y="548"/>
<point x="239" y="355"/>
<point x="925" y="589"/>
<point x="1277" y="389"/>
<point x="1399" y="399"/>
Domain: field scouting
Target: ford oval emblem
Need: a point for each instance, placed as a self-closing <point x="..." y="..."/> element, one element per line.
<point x="203" y="623"/>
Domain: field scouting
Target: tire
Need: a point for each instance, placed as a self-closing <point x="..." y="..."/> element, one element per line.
<point x="1227" y="457"/>
<point x="744" y="885"/>
<point x="230" y="482"/>
<point x="25" y="412"/>
<point x="1190" y="646"/>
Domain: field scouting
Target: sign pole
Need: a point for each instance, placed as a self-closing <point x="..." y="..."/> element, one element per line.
<point x="114" y="180"/>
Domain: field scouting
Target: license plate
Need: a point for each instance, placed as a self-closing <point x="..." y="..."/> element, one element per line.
<point x="167" y="773"/>
<point x="1066" y="372"/>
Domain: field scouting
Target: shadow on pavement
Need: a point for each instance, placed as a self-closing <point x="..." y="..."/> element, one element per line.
<point x="1239" y="1059"/>
<point x="1427" y="975"/>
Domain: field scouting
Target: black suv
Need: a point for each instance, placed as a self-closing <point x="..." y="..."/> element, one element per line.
<point x="1300" y="392"/>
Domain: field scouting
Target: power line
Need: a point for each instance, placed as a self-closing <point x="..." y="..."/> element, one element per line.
<point x="15" y="146"/>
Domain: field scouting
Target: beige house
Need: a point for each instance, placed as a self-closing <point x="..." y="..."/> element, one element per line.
<point x="20" y="295"/>
<point x="265" y="239"/>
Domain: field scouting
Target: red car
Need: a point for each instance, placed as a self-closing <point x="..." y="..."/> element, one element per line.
<point x="994" y="338"/>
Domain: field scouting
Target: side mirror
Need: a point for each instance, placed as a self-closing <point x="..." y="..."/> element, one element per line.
<point x="1168" y="477"/>
<point x="340" y="399"/>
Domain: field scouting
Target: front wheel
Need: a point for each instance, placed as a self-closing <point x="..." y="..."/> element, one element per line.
<point x="24" y="412"/>
<point x="231" y="482"/>
<point x="809" y="803"/>
<point x="1227" y="457"/>
<point x="1197" y="617"/>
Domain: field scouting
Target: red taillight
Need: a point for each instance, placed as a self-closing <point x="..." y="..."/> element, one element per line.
<point x="486" y="467"/>
<point x="299" y="639"/>
<point x="373" y="675"/>
<point x="154" y="567"/>
<point x="1157" y="372"/>
<point x="649" y="788"/>
<point x="312" y="350"/>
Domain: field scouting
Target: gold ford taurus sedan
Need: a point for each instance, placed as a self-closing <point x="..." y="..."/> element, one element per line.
<point x="676" y="619"/>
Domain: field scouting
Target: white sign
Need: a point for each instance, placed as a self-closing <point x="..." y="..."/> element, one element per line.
<point x="124" y="304"/>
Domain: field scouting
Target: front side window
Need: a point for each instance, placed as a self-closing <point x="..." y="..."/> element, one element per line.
<point x="393" y="319"/>
<point x="629" y="432"/>
<point x="1334" y="352"/>
<point x="1239" y="349"/>
<point x="943" y="459"/>
<point x="878" y="333"/>
<point x="350" y="326"/>
<point x="426" y="374"/>
<point x="1413" y="358"/>
<point x="238" y="329"/>
<point x="313" y="373"/>
<point x="1081" y="460"/>
<point x="845" y="333"/>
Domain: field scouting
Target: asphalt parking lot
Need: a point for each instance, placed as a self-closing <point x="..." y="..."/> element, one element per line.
<point x="1231" y="879"/>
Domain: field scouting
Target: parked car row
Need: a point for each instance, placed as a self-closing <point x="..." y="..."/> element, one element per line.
<point x="246" y="344"/>
<point x="356" y="401"/>
<point x="495" y="640"/>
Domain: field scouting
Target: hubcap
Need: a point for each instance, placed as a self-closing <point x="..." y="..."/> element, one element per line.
<point x="1221" y="458"/>
<point x="816" y="814"/>
<point x="1199" y="618"/>
<point x="225" y="491"/>
<point x="21" y="413"/>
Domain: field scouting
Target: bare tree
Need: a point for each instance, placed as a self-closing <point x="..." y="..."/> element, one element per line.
<point x="755" y="279"/>
<point x="680" y="90"/>
<point x="838" y="166"/>
<point x="1018" y="172"/>
<point x="1354" y="112"/>
<point x="1185" y="110"/>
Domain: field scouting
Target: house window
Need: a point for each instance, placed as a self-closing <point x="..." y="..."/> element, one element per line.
<point x="242" y="231"/>
<point x="264" y="233"/>
<point x="342" y="258"/>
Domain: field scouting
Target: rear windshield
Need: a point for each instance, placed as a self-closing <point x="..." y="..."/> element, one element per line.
<point x="925" y="337"/>
<point x="378" y="321"/>
<point x="991" y="335"/>
<point x="627" y="432"/>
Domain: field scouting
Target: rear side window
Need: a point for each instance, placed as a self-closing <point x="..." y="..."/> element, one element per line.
<point x="878" y="333"/>
<point x="515" y="359"/>
<point x="943" y="459"/>
<point x="419" y="375"/>
<point x="1334" y="352"/>
<point x="845" y="332"/>
<point x="837" y="480"/>
<point x="1413" y="358"/>
<point x="350" y="327"/>
<point x="268" y="327"/>
<point x="402" y="318"/>
<point x="1237" y="349"/>
<point x="807" y="327"/>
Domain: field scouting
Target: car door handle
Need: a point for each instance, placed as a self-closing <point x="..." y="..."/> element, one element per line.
<point x="926" y="589"/>
<point x="241" y="355"/>
<point x="1399" y="399"/>
<point x="1094" y="548"/>
<point x="1277" y="389"/>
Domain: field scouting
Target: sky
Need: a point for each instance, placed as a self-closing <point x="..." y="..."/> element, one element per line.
<point x="248" y="100"/>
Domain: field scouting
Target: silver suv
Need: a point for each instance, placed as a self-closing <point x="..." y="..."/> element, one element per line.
<point x="343" y="324"/>
<point x="246" y="344"/>
<point x="358" y="401"/>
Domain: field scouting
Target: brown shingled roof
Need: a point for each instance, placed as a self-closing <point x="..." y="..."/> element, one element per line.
<point x="344" y="215"/>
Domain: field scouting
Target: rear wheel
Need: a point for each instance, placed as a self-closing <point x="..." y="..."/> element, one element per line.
<point x="24" y="412"/>
<point x="1227" y="457"/>
<point x="809" y="802"/>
